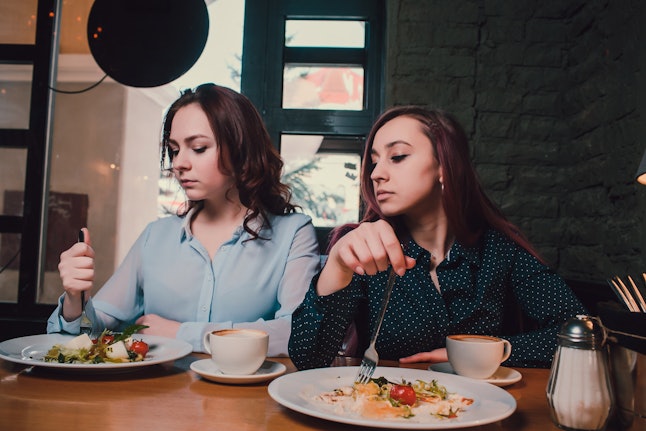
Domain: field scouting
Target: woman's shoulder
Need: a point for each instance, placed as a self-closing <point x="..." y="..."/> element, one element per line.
<point x="166" y="222"/>
<point x="500" y="246"/>
<point x="286" y="221"/>
<point x="163" y="226"/>
<point x="493" y="236"/>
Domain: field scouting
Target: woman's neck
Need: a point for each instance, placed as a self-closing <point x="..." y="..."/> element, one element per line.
<point x="222" y="212"/>
<point x="212" y="226"/>
<point x="432" y="233"/>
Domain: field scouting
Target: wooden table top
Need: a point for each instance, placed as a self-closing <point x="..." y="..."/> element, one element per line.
<point x="172" y="397"/>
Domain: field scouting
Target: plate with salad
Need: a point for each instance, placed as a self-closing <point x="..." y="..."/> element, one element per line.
<point x="106" y="352"/>
<point x="396" y="398"/>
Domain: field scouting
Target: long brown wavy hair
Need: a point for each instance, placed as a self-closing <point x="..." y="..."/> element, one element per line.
<point x="244" y="148"/>
<point x="469" y="211"/>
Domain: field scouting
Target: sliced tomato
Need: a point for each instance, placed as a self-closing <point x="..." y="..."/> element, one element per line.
<point x="107" y="338"/>
<point x="404" y="394"/>
<point x="139" y="347"/>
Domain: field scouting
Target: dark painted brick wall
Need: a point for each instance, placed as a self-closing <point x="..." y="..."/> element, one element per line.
<point x="551" y="93"/>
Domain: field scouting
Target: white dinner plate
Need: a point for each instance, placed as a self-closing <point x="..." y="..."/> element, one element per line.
<point x="297" y="391"/>
<point x="502" y="377"/>
<point x="31" y="349"/>
<point x="268" y="370"/>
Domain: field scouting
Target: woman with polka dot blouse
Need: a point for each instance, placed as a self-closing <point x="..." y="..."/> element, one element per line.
<point x="462" y="266"/>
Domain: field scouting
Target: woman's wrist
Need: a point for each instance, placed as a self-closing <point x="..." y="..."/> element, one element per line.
<point x="332" y="280"/>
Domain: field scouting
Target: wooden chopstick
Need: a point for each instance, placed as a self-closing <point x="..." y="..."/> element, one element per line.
<point x="620" y="294"/>
<point x="638" y="295"/>
<point x="629" y="296"/>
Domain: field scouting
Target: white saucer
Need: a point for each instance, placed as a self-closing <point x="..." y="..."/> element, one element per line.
<point x="207" y="369"/>
<point x="502" y="377"/>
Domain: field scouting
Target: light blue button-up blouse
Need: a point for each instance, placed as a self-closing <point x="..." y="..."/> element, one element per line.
<point x="248" y="284"/>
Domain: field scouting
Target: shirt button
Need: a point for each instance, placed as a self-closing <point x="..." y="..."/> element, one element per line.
<point x="204" y="308"/>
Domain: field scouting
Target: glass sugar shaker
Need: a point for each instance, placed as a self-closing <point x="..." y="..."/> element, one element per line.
<point x="579" y="389"/>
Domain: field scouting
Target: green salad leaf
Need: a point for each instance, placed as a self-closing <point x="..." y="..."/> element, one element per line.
<point x="128" y="332"/>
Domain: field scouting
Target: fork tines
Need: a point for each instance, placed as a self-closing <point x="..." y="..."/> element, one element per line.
<point x="366" y="369"/>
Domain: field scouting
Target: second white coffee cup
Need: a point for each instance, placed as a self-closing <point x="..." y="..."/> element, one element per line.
<point x="237" y="351"/>
<point x="476" y="356"/>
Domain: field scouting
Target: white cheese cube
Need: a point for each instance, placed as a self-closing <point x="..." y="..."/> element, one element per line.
<point x="83" y="341"/>
<point x="117" y="351"/>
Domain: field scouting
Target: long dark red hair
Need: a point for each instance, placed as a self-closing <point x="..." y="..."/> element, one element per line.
<point x="244" y="148"/>
<point x="468" y="209"/>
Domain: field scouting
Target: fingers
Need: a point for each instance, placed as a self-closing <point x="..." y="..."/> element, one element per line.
<point x="86" y="236"/>
<point x="371" y="248"/>
<point x="76" y="268"/>
<point x="434" y="356"/>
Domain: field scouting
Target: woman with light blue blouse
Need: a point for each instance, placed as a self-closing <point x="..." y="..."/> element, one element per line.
<point x="462" y="267"/>
<point x="237" y="256"/>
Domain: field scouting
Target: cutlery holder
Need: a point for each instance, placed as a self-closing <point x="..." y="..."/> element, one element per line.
<point x="627" y="342"/>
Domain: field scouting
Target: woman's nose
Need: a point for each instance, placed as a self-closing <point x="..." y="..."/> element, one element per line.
<point x="180" y="161"/>
<point x="377" y="173"/>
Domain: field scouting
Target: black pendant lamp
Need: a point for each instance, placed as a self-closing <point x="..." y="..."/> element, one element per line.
<point x="147" y="43"/>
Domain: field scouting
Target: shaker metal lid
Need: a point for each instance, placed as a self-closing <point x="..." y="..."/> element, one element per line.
<point x="582" y="332"/>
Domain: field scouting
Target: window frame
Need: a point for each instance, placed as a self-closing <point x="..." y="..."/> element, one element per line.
<point x="265" y="56"/>
<point x="27" y="316"/>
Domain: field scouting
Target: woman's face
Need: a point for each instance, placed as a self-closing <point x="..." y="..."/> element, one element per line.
<point x="406" y="175"/>
<point x="195" y="156"/>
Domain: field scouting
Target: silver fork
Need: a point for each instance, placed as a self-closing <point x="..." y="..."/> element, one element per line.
<point x="370" y="356"/>
<point x="86" y="323"/>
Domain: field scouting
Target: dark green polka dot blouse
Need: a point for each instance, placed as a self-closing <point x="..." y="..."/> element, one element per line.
<point x="487" y="289"/>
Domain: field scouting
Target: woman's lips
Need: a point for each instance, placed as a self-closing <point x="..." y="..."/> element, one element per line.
<point x="382" y="195"/>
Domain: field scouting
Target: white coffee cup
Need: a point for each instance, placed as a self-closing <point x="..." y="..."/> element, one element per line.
<point x="237" y="351"/>
<point x="476" y="356"/>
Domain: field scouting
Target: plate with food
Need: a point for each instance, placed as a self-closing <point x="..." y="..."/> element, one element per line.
<point x="396" y="398"/>
<point x="107" y="352"/>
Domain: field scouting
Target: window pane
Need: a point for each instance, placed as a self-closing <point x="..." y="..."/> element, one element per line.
<point x="18" y="21"/>
<point x="13" y="162"/>
<point x="9" y="265"/>
<point x="15" y="96"/>
<point x="74" y="20"/>
<point x="323" y="87"/>
<point x="113" y="160"/>
<point x="171" y="196"/>
<point x="324" y="183"/>
<point x="220" y="61"/>
<point x="330" y="34"/>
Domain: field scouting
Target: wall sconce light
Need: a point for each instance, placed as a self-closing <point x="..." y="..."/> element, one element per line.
<point x="640" y="177"/>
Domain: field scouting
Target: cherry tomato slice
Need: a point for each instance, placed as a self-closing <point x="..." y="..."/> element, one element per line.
<point x="139" y="347"/>
<point x="107" y="338"/>
<point x="404" y="394"/>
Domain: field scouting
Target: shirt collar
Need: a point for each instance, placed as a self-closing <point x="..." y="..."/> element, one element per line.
<point x="255" y="224"/>
<point x="186" y="233"/>
<point x="457" y="252"/>
<point x="471" y="254"/>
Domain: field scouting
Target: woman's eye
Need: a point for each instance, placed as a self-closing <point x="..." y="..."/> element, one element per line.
<point x="173" y="152"/>
<point x="199" y="150"/>
<point x="399" y="158"/>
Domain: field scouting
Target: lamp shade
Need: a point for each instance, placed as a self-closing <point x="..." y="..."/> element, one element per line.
<point x="147" y="43"/>
<point x="641" y="171"/>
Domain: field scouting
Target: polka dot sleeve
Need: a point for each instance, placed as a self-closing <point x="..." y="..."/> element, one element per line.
<point x="320" y="323"/>
<point x="483" y="289"/>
